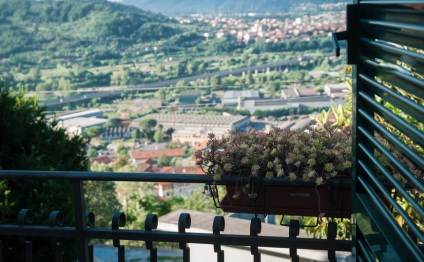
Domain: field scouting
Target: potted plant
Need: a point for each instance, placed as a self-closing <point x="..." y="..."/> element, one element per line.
<point x="314" y="162"/>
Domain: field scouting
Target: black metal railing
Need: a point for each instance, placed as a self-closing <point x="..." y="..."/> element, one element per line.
<point x="83" y="231"/>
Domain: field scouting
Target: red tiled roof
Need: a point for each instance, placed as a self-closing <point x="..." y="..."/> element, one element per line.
<point x="144" y="168"/>
<point x="182" y="170"/>
<point x="148" y="161"/>
<point x="102" y="159"/>
<point x="307" y="92"/>
<point x="144" y="154"/>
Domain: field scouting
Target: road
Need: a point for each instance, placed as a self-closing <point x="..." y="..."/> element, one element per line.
<point x="103" y="92"/>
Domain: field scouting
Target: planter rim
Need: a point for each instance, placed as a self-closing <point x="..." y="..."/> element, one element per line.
<point x="340" y="181"/>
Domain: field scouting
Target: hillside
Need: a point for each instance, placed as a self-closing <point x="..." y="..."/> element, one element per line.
<point x="62" y="47"/>
<point x="172" y="7"/>
<point x="47" y="30"/>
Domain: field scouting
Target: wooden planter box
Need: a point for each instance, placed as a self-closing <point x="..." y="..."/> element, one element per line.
<point x="291" y="200"/>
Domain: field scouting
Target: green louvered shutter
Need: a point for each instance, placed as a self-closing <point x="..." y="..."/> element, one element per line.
<point x="385" y="46"/>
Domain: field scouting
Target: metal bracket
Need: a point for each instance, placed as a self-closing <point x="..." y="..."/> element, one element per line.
<point x="302" y="226"/>
<point x="213" y="191"/>
<point x="349" y="35"/>
<point x="339" y="36"/>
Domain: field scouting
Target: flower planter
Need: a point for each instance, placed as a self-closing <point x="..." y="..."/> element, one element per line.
<point x="291" y="200"/>
<point x="300" y="199"/>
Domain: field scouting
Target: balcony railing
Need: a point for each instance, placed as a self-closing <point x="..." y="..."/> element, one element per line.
<point x="83" y="232"/>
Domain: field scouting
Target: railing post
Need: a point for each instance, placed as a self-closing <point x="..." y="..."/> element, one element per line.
<point x="255" y="229"/>
<point x="184" y="222"/>
<point x="56" y="218"/>
<point x="119" y="220"/>
<point x="90" y="220"/>
<point x="80" y="221"/>
<point x="218" y="226"/>
<point x="25" y="216"/>
<point x="1" y="243"/>
<point x="294" y="229"/>
<point x="91" y="253"/>
<point x="150" y="223"/>
<point x="331" y="235"/>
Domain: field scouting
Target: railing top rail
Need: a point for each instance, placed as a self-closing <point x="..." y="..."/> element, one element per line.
<point x="156" y="177"/>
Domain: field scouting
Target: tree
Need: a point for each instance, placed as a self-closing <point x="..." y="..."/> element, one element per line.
<point x="34" y="74"/>
<point x="93" y="131"/>
<point x="158" y="136"/>
<point x="101" y="199"/>
<point x="148" y="123"/>
<point x="161" y="94"/>
<point x="215" y="81"/>
<point x="191" y="68"/>
<point x="113" y="122"/>
<point x="29" y="141"/>
<point x="163" y="160"/>
<point x="135" y="134"/>
<point x="249" y="78"/>
<point x="158" y="206"/>
<point x="92" y="152"/>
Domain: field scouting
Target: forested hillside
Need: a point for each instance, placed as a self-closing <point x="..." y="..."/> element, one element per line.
<point x="49" y="45"/>
<point x="41" y="30"/>
<point x="172" y="7"/>
<point x="61" y="48"/>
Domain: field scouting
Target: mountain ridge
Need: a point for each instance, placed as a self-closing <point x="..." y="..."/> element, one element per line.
<point x="173" y="7"/>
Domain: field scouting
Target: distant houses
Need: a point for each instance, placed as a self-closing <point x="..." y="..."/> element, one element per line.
<point x="77" y="125"/>
<point x="80" y="114"/>
<point x="77" y="122"/>
<point x="234" y="97"/>
<point x="166" y="190"/>
<point x="102" y="160"/>
<point x="113" y="133"/>
<point x="296" y="98"/>
<point x="298" y="92"/>
<point x="137" y="156"/>
<point x="181" y="121"/>
<point x="196" y="135"/>
<point x="336" y="90"/>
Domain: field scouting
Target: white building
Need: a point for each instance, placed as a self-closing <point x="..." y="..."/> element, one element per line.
<point x="233" y="97"/>
<point x="79" y="124"/>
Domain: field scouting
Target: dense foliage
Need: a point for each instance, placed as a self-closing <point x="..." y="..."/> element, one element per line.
<point x="51" y="34"/>
<point x="30" y="141"/>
